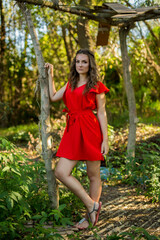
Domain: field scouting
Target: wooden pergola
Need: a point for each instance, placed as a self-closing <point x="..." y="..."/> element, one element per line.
<point x="109" y="14"/>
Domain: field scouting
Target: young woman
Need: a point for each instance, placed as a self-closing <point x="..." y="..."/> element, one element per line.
<point x="85" y="137"/>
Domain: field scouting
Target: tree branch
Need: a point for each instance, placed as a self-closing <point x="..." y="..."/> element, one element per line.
<point x="104" y="15"/>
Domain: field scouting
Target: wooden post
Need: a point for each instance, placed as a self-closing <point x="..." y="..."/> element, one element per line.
<point x="129" y="91"/>
<point x="45" y="111"/>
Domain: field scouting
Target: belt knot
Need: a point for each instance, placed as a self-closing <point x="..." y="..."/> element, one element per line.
<point x="72" y="116"/>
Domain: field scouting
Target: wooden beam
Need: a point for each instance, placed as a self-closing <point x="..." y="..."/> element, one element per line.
<point x="126" y="21"/>
<point x="119" y="8"/>
<point x="77" y="10"/>
<point x="107" y="16"/>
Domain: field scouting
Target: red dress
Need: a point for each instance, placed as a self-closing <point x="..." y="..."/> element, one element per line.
<point x="82" y="137"/>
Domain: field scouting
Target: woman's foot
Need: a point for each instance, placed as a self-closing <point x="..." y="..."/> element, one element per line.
<point x="82" y="224"/>
<point x="94" y="212"/>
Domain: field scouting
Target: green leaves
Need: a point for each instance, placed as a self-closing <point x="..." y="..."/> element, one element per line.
<point x="5" y="169"/>
<point x="10" y="203"/>
<point x="56" y="215"/>
<point x="24" y="196"/>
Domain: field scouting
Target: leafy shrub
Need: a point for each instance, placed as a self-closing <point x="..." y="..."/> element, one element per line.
<point x="23" y="194"/>
<point x="20" y="133"/>
<point x="142" y="171"/>
<point x="145" y="168"/>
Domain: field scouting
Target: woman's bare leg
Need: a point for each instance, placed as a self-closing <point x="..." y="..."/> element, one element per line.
<point x="95" y="189"/>
<point x="63" y="173"/>
<point x="93" y="172"/>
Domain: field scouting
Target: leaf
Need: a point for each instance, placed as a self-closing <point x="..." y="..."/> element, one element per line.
<point x="6" y="169"/>
<point x="56" y="236"/>
<point x="57" y="214"/>
<point x="66" y="221"/>
<point x="61" y="207"/>
<point x="44" y="214"/>
<point x="36" y="217"/>
<point x="25" y="188"/>
<point x="128" y="234"/>
<point x="43" y="220"/>
<point x="3" y="195"/>
<point x="16" y="171"/>
<point x="27" y="214"/>
<point x="10" y="203"/>
<point x="16" y="195"/>
<point x="2" y="206"/>
<point x="13" y="197"/>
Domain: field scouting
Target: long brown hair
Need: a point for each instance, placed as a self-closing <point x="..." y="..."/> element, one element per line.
<point x="92" y="73"/>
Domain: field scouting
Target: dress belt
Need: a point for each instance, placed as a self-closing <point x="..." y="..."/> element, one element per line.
<point x="71" y="117"/>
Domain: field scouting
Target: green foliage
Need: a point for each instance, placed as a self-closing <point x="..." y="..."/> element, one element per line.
<point x="23" y="195"/>
<point x="144" y="74"/>
<point x="39" y="232"/>
<point x="20" y="133"/>
<point x="142" y="171"/>
<point x="145" y="170"/>
<point x="20" y="67"/>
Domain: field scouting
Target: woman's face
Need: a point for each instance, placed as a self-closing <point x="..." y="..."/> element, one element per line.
<point x="82" y="63"/>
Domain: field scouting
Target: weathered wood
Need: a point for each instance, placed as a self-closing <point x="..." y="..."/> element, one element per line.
<point x="103" y="34"/>
<point x="103" y="17"/>
<point x="103" y="10"/>
<point x="119" y="8"/>
<point x="73" y="10"/>
<point x="129" y="91"/>
<point x="45" y="111"/>
<point x="146" y="9"/>
<point x="124" y="16"/>
<point x="139" y="17"/>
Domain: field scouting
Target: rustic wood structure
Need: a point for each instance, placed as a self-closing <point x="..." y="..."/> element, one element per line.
<point x="109" y="14"/>
<point x="113" y="13"/>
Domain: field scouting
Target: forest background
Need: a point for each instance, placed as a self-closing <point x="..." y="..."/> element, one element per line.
<point x="23" y="195"/>
<point x="59" y="40"/>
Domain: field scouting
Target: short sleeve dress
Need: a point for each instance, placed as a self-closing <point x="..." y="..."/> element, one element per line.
<point x="82" y="137"/>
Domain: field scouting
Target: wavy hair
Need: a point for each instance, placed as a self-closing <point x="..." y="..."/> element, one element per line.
<point x="93" y="75"/>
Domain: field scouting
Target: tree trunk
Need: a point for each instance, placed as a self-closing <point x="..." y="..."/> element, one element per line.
<point x="84" y="38"/>
<point x="66" y="44"/>
<point x="45" y="111"/>
<point x="129" y="91"/>
<point x="2" y="52"/>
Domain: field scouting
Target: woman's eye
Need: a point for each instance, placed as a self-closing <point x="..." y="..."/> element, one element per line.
<point x="82" y="61"/>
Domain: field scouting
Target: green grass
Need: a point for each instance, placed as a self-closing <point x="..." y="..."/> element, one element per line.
<point x="122" y="120"/>
<point x="150" y="120"/>
<point x="19" y="133"/>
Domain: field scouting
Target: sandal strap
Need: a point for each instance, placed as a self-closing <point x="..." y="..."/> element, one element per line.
<point x="82" y="220"/>
<point x="94" y="209"/>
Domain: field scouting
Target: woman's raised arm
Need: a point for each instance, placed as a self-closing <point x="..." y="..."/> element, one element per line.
<point x="54" y="95"/>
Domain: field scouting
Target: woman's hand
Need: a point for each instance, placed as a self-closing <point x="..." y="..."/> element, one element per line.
<point x="50" y="69"/>
<point x="104" y="147"/>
